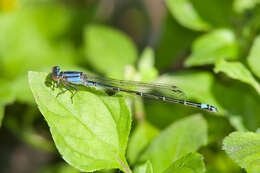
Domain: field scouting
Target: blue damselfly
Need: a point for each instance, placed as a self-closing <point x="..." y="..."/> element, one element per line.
<point x="168" y="93"/>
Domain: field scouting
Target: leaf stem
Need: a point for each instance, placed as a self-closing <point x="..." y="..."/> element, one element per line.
<point x="126" y="169"/>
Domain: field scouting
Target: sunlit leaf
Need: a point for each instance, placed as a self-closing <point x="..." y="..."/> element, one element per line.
<point x="243" y="148"/>
<point x="253" y="59"/>
<point x="91" y="133"/>
<point x="238" y="71"/>
<point x="179" y="139"/>
<point x="37" y="53"/>
<point x="190" y="163"/>
<point x="212" y="46"/>
<point x="28" y="50"/>
<point x="144" y="168"/>
<point x="243" y="5"/>
<point x="109" y="50"/>
<point x="140" y="139"/>
<point x="185" y="13"/>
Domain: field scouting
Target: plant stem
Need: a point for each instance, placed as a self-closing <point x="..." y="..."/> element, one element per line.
<point x="126" y="169"/>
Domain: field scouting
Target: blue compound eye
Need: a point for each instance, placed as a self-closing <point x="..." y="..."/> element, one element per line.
<point x="56" y="70"/>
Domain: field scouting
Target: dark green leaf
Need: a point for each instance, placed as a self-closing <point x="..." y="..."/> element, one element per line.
<point x="59" y="168"/>
<point x="92" y="132"/>
<point x="179" y="139"/>
<point x="190" y="163"/>
<point x="173" y="44"/>
<point x="2" y="110"/>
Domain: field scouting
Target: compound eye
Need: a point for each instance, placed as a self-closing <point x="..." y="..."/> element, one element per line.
<point x="57" y="68"/>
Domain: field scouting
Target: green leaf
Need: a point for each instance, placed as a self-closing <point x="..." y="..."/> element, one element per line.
<point x="243" y="148"/>
<point x="253" y="59"/>
<point x="140" y="139"/>
<point x="238" y="71"/>
<point x="241" y="6"/>
<point x="91" y="133"/>
<point x="30" y="49"/>
<point x="53" y="26"/>
<point x="180" y="138"/>
<point x="212" y="46"/>
<point x="19" y="57"/>
<point x="108" y="50"/>
<point x="219" y="16"/>
<point x="247" y="107"/>
<point x="146" y="66"/>
<point x="144" y="168"/>
<point x="178" y="37"/>
<point x="190" y="163"/>
<point x="186" y="15"/>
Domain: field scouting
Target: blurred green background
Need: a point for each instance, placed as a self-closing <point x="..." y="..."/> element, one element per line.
<point x="210" y="49"/>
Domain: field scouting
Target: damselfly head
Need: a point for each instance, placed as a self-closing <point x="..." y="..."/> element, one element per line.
<point x="55" y="72"/>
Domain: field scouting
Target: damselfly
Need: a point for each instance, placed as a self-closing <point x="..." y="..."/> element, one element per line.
<point x="169" y="93"/>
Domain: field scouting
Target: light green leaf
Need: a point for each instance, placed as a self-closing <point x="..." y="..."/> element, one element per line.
<point x="140" y="139"/>
<point x="253" y="59"/>
<point x="190" y="163"/>
<point x="109" y="50"/>
<point x="53" y="26"/>
<point x="180" y="138"/>
<point x="186" y="15"/>
<point x="146" y="66"/>
<point x="91" y="133"/>
<point x="30" y="49"/>
<point x="238" y="71"/>
<point x="212" y="46"/>
<point x="144" y="168"/>
<point x="19" y="57"/>
<point x="243" y="148"/>
<point x="241" y="6"/>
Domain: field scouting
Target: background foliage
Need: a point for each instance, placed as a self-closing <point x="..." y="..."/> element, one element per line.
<point x="210" y="49"/>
